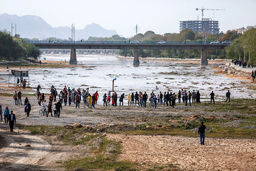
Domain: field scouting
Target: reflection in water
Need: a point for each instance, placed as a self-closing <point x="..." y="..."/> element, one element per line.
<point x="98" y="71"/>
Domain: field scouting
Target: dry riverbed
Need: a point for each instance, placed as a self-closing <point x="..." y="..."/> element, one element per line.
<point x="137" y="138"/>
<point x="131" y="138"/>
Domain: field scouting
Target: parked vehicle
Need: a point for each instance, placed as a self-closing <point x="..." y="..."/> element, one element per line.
<point x="214" y="42"/>
<point x="226" y="42"/>
<point x="135" y="42"/>
<point x="161" y="42"/>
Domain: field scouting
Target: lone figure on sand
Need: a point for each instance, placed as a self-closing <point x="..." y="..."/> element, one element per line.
<point x="201" y="131"/>
<point x="11" y="120"/>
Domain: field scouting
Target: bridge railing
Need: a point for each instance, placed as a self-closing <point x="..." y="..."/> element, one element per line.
<point x="45" y="42"/>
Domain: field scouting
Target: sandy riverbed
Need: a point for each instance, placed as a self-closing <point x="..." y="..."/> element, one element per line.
<point x="26" y="151"/>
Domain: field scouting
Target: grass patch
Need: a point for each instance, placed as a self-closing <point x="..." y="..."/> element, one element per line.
<point x="244" y="106"/>
<point x="103" y="153"/>
<point x="105" y="158"/>
<point x="99" y="162"/>
<point x="71" y="136"/>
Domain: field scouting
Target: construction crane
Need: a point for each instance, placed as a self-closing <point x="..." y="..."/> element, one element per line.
<point x="203" y="9"/>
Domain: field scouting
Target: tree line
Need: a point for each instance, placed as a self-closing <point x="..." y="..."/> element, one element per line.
<point x="243" y="47"/>
<point x="184" y="36"/>
<point x="13" y="48"/>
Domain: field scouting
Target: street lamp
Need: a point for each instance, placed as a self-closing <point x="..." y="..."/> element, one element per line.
<point x="244" y="54"/>
<point x="113" y="84"/>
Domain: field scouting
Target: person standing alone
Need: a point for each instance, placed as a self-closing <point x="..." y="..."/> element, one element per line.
<point x="228" y="96"/>
<point x="27" y="108"/>
<point x="212" y="97"/>
<point x="1" y="113"/>
<point x="11" y="120"/>
<point x="201" y="131"/>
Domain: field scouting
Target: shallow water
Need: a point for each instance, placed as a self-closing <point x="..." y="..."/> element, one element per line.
<point x="98" y="71"/>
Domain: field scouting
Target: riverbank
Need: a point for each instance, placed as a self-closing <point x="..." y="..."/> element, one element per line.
<point x="233" y="71"/>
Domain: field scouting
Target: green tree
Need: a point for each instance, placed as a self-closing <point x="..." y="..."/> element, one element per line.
<point x="187" y="34"/>
<point x="10" y="49"/>
<point x="230" y="36"/>
<point x="32" y="51"/>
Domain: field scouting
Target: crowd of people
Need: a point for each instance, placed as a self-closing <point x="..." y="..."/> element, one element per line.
<point x="21" y="82"/>
<point x="68" y="96"/>
<point x="244" y="65"/>
<point x="65" y="97"/>
<point x="240" y="63"/>
<point x="52" y="103"/>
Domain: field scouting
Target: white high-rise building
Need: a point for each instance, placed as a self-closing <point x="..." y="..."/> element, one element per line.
<point x="202" y="26"/>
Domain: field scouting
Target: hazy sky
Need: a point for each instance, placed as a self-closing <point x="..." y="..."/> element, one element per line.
<point x="160" y="16"/>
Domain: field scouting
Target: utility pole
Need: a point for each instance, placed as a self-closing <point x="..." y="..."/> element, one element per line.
<point x="136" y="32"/>
<point x="244" y="54"/>
<point x="73" y="33"/>
<point x="15" y="30"/>
<point x="249" y="55"/>
<point x="113" y="84"/>
<point x="12" y="29"/>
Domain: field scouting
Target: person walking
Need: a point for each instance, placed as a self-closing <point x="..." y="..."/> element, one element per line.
<point x="96" y="95"/>
<point x="201" y="132"/>
<point x="18" y="82"/>
<point x="58" y="107"/>
<point x="11" y="120"/>
<point x="189" y="97"/>
<point x="253" y="75"/>
<point x="89" y="99"/>
<point x="77" y="99"/>
<point x="179" y="95"/>
<point x="185" y="98"/>
<point x="193" y="96"/>
<point x="121" y="100"/>
<point x="173" y="99"/>
<point x="65" y="99"/>
<point x="69" y="98"/>
<point x="198" y="97"/>
<point x="24" y="83"/>
<point x="49" y="107"/>
<point x="212" y="97"/>
<point x="136" y="98"/>
<point x="19" y="98"/>
<point x="93" y="101"/>
<point x="161" y="98"/>
<point x="1" y="113"/>
<point x="129" y="99"/>
<point x="6" y="114"/>
<point x="145" y="98"/>
<point x="228" y="96"/>
<point x="27" y="108"/>
<point x="108" y="100"/>
<point x="44" y="107"/>
<point x="105" y="100"/>
<point x="132" y="98"/>
<point x="26" y="101"/>
<point x="15" y="98"/>
<point x="155" y="101"/>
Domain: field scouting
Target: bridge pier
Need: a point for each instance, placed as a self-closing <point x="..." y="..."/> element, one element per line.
<point x="73" y="60"/>
<point x="136" y="60"/>
<point x="204" y="60"/>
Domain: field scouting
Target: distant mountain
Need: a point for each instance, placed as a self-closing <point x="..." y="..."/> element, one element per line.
<point x="30" y="26"/>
